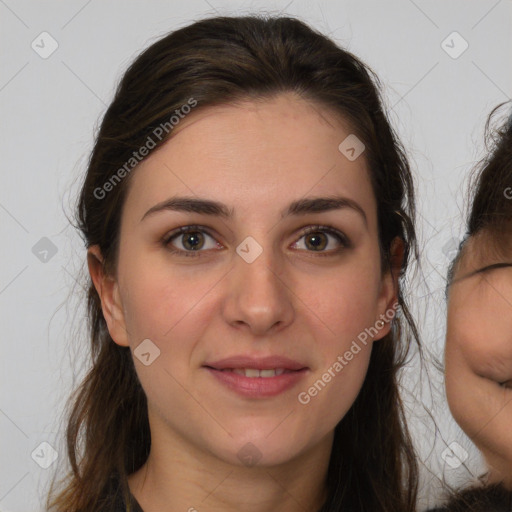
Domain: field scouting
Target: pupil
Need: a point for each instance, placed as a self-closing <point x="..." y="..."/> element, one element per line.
<point x="192" y="240"/>
<point x="317" y="241"/>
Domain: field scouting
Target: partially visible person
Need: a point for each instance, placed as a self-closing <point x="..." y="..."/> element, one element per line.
<point x="478" y="354"/>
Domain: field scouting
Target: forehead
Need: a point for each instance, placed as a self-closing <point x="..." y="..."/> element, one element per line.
<point x="481" y="250"/>
<point x="269" y="150"/>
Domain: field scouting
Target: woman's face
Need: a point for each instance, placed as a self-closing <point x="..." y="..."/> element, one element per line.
<point x="250" y="285"/>
<point x="479" y="354"/>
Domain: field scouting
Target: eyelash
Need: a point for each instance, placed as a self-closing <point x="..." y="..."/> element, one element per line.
<point x="341" y="237"/>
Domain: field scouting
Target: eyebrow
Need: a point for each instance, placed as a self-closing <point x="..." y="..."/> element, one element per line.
<point x="300" y="207"/>
<point x="482" y="270"/>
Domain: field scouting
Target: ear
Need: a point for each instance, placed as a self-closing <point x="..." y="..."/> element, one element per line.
<point x="108" y="291"/>
<point x="388" y="297"/>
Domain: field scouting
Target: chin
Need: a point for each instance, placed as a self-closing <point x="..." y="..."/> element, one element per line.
<point x="259" y="451"/>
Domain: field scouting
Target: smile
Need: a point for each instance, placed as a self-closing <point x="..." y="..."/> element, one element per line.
<point x="255" y="383"/>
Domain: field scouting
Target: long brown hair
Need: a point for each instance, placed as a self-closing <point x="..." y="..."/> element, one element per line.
<point x="218" y="61"/>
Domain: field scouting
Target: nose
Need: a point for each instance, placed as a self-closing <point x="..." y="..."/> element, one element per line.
<point x="259" y="298"/>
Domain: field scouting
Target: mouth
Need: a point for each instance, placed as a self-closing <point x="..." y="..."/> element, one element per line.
<point x="257" y="378"/>
<point x="252" y="373"/>
<point x="244" y="362"/>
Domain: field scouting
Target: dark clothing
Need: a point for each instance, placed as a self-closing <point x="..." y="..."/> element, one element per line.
<point x="120" y="505"/>
<point x="492" y="498"/>
<point x="114" y="501"/>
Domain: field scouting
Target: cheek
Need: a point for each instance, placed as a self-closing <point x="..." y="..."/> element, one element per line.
<point x="340" y="317"/>
<point x="478" y="355"/>
<point x="348" y="310"/>
<point x="328" y="395"/>
<point x="160" y="299"/>
<point x="464" y="349"/>
<point x="479" y="336"/>
<point x="351" y="299"/>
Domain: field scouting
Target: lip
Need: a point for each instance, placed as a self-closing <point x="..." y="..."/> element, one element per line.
<point x="258" y="387"/>
<point x="261" y="363"/>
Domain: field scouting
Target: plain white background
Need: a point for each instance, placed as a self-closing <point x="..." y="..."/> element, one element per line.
<point x="438" y="96"/>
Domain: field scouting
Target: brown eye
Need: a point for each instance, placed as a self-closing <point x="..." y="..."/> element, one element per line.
<point x="316" y="241"/>
<point x="192" y="240"/>
<point x="318" y="238"/>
